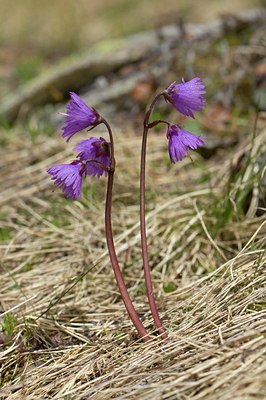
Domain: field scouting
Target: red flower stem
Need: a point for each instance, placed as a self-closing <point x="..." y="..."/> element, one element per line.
<point x="144" y="246"/>
<point x="111" y="248"/>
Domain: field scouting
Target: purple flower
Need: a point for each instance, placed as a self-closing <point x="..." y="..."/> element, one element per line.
<point x="180" y="142"/>
<point x="97" y="149"/>
<point x="69" y="176"/>
<point x="79" y="117"/>
<point x="186" y="97"/>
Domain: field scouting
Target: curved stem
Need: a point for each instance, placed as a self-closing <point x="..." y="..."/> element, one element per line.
<point x="144" y="246"/>
<point x="111" y="248"/>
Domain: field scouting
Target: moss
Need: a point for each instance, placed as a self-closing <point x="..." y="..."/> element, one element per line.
<point x="4" y="234"/>
<point x="169" y="287"/>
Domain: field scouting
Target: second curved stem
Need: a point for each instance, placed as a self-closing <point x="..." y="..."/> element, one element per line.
<point x="144" y="246"/>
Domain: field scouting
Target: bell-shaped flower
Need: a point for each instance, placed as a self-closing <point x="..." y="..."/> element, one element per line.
<point x="79" y="116"/>
<point x="69" y="178"/>
<point x="97" y="149"/>
<point x="180" y="142"/>
<point x="186" y="97"/>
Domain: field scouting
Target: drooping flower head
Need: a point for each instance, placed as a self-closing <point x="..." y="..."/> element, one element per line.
<point x="93" y="152"/>
<point x="69" y="177"/>
<point x="181" y="142"/>
<point x="79" y="116"/>
<point x="186" y="97"/>
<point x="97" y="149"/>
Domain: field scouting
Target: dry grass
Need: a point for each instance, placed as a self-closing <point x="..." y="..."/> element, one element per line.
<point x="74" y="341"/>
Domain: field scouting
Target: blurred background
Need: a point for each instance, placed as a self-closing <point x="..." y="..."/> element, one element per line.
<point x="34" y="34"/>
